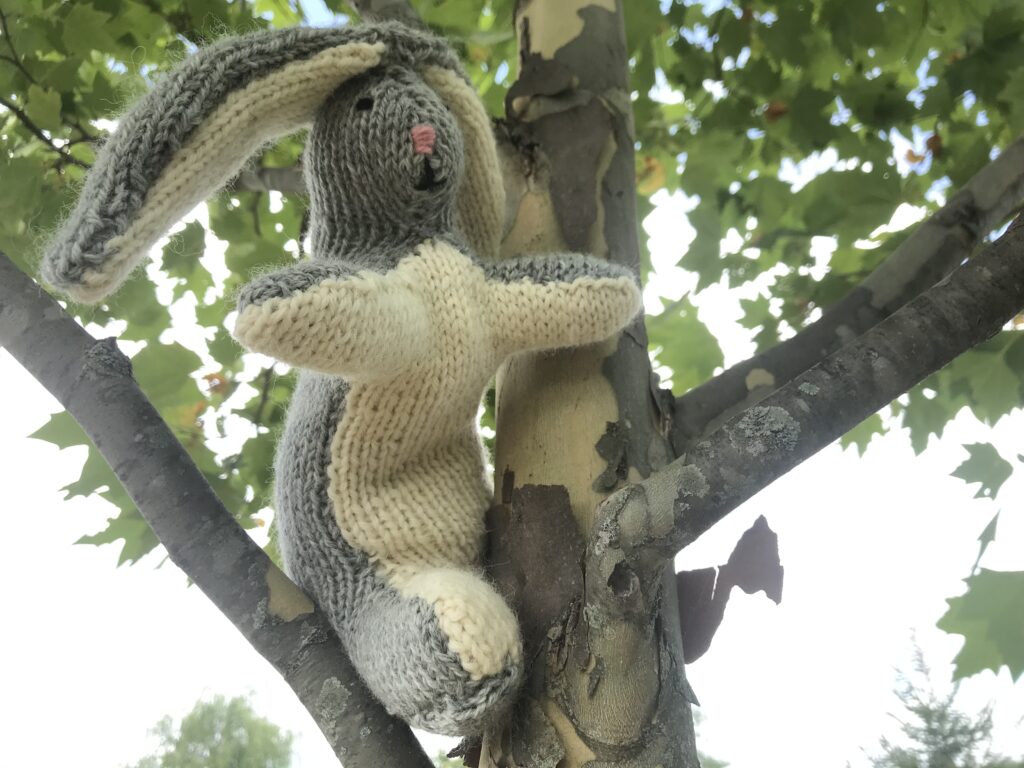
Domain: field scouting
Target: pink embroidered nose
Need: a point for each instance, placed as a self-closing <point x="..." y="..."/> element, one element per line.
<point x="423" y="138"/>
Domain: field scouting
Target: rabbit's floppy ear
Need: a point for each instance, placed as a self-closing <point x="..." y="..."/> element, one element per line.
<point x="185" y="139"/>
<point x="480" y="213"/>
<point x="198" y="127"/>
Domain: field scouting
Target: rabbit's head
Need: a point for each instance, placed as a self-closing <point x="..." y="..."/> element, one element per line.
<point x="384" y="163"/>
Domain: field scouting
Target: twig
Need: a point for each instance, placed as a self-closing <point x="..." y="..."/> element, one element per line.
<point x="268" y="377"/>
<point x="39" y="134"/>
<point x="93" y="380"/>
<point x="270" y="180"/>
<point x="14" y="58"/>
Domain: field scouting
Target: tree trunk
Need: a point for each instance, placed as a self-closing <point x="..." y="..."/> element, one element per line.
<point x="603" y="688"/>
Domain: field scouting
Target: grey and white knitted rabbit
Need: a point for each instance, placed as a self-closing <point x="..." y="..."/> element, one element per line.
<point x="397" y="322"/>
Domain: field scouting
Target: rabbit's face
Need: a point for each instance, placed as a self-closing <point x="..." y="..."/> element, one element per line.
<point x="385" y="148"/>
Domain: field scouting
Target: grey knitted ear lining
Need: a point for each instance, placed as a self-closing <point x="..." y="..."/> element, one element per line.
<point x="397" y="328"/>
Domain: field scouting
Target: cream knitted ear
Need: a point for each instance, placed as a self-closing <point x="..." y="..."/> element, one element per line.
<point x="481" y="203"/>
<point x="273" y="106"/>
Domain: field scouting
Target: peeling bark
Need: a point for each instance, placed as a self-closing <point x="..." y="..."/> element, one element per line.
<point x="935" y="248"/>
<point x="93" y="380"/>
<point x="602" y="690"/>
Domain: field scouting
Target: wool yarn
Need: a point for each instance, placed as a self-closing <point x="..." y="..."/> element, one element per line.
<point x="397" y="322"/>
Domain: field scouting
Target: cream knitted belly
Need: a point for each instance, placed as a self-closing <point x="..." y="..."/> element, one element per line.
<point x="417" y="512"/>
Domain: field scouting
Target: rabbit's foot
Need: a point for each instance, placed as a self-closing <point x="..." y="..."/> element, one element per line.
<point x="441" y="650"/>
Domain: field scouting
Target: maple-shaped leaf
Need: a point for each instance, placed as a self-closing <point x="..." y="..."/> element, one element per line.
<point x="984" y="466"/>
<point x="990" y="616"/>
<point x="753" y="566"/>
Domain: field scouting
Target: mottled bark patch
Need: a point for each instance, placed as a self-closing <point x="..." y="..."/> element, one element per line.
<point x="768" y="429"/>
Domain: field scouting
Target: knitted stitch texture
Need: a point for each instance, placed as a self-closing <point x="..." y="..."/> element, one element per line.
<point x="395" y="324"/>
<point x="93" y="251"/>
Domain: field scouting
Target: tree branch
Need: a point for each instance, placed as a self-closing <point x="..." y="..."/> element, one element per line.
<point x="645" y="524"/>
<point x="14" y="58"/>
<point x="934" y="249"/>
<point x="38" y="132"/>
<point x="286" y="180"/>
<point x="93" y="380"/>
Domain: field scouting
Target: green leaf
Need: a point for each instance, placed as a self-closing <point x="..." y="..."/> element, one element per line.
<point x="61" y="430"/>
<point x="1012" y="96"/>
<point x="990" y="616"/>
<point x="459" y="15"/>
<point x="85" y="30"/>
<point x="850" y="204"/>
<point x="995" y="388"/>
<point x="704" y="254"/>
<point x="685" y="345"/>
<point x="181" y="260"/>
<point x="163" y="371"/>
<point x="96" y="474"/>
<point x="808" y="120"/>
<point x="43" y="108"/>
<point x="136" y="302"/>
<point x="984" y="466"/>
<point x="862" y="434"/>
<point x="129" y="527"/>
<point x="925" y="417"/>
<point x="244" y="258"/>
<point x="642" y="22"/>
<point x="786" y="37"/>
<point x="224" y="349"/>
<point x="21" y="191"/>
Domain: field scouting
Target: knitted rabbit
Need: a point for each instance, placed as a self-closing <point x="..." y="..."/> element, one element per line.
<point x="397" y="323"/>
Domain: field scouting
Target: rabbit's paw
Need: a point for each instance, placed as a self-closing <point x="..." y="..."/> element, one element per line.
<point x="442" y="651"/>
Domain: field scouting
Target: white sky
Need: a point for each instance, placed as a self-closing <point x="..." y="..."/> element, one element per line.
<point x="95" y="655"/>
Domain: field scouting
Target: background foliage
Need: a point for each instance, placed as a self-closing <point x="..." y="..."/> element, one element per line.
<point x="935" y="732"/>
<point x="220" y="733"/>
<point x="796" y="128"/>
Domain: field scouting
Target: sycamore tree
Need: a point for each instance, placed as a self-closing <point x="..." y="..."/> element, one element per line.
<point x="603" y="474"/>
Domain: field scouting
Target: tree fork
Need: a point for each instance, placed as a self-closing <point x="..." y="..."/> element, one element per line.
<point x="646" y="524"/>
<point x="93" y="380"/>
<point x="573" y="425"/>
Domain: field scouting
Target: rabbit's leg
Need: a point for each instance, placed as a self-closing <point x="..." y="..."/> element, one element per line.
<point x="562" y="300"/>
<point x="439" y="648"/>
<point x="325" y="317"/>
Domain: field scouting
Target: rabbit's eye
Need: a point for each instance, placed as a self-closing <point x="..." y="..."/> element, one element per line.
<point x="364" y="104"/>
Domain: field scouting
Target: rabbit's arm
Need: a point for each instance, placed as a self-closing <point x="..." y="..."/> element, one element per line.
<point x="327" y="317"/>
<point x="563" y="300"/>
